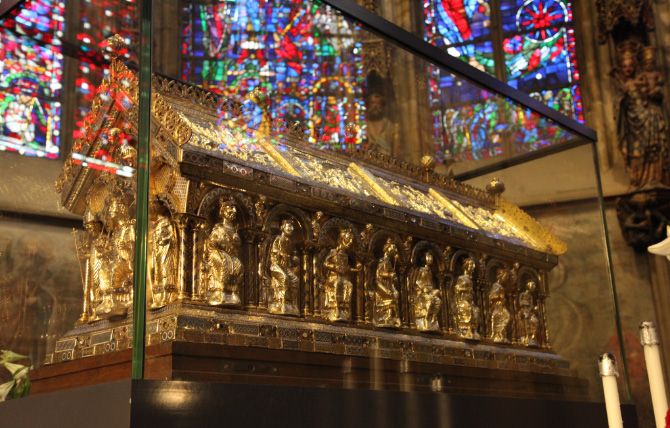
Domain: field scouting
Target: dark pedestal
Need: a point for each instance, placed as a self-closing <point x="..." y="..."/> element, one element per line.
<point x="169" y="404"/>
<point x="209" y="362"/>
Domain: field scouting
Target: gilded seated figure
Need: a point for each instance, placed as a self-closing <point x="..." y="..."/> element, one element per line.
<point x="386" y="312"/>
<point x="527" y="320"/>
<point x="427" y="299"/>
<point x="466" y="314"/>
<point x="163" y="262"/>
<point x="338" y="287"/>
<point x="285" y="284"/>
<point x="118" y="258"/>
<point x="222" y="270"/>
<point x="499" y="314"/>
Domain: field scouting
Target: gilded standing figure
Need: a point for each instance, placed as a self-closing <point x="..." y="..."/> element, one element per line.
<point x="386" y="312"/>
<point x="222" y="271"/>
<point x="163" y="263"/>
<point x="284" y="281"/>
<point x="89" y="264"/>
<point x="466" y="314"/>
<point x="527" y="321"/>
<point x="499" y="314"/>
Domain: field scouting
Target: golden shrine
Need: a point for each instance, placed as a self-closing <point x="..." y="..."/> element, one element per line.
<point x="278" y="263"/>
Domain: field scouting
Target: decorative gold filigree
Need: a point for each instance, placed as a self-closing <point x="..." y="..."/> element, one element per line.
<point x="279" y="159"/>
<point x="171" y="120"/>
<point x="326" y="172"/>
<point x="528" y="227"/>
<point x="372" y="184"/>
<point x="457" y="213"/>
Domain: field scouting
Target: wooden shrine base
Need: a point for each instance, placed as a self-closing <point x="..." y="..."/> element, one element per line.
<point x="188" y="361"/>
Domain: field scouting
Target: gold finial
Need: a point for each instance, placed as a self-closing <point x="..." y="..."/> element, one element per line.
<point x="495" y="187"/>
<point x="428" y="166"/>
<point x="115" y="46"/>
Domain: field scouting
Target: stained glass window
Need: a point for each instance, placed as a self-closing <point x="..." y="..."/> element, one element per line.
<point x="100" y="19"/>
<point x="537" y="47"/>
<point x="303" y="56"/>
<point x="31" y="62"/>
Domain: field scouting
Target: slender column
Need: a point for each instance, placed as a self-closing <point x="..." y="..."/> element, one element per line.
<point x="359" y="295"/>
<point x="307" y="283"/>
<point x="198" y="225"/>
<point x="405" y="294"/>
<point x="253" y="268"/>
<point x="544" y="334"/>
<point x="86" y="277"/>
<point x="316" y="287"/>
<point x="443" y="284"/>
<point x="185" y="268"/>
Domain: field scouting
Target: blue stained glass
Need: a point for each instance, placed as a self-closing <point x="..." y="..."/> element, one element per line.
<point x="540" y="58"/>
<point x="535" y="16"/>
<point x="539" y="48"/>
<point x="459" y="21"/>
<point x="471" y="131"/>
<point x="540" y="65"/>
<point x="31" y="63"/>
<point x="301" y="55"/>
<point x="479" y="56"/>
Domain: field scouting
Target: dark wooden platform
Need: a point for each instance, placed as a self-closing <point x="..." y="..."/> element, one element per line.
<point x="168" y="404"/>
<point x="175" y="360"/>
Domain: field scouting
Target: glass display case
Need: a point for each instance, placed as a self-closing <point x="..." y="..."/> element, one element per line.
<point x="294" y="193"/>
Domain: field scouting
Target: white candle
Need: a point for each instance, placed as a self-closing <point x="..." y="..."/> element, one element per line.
<point x="650" y="342"/>
<point x="609" y="372"/>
